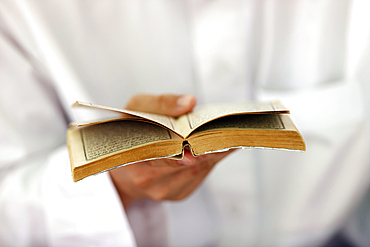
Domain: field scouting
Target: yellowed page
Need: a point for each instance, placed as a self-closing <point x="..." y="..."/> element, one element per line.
<point x="182" y="125"/>
<point x="105" y="139"/>
<point x="267" y="131"/>
<point x="75" y="148"/>
<point x="245" y="121"/>
<point x="165" y="121"/>
<point x="100" y="147"/>
<point x="205" y="113"/>
<point x="105" y="120"/>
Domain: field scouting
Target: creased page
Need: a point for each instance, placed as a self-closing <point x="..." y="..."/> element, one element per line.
<point x="182" y="125"/>
<point x="205" y="113"/>
<point x="159" y="119"/>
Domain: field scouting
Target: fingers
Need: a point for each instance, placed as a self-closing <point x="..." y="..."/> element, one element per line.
<point x="180" y="183"/>
<point x="167" y="104"/>
<point x="188" y="158"/>
<point x="206" y="162"/>
<point x="172" y="181"/>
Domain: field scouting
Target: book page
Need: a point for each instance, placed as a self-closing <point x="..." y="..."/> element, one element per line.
<point x="105" y="120"/>
<point x="107" y="138"/>
<point x="206" y="113"/>
<point x="246" y="121"/>
<point x="165" y="121"/>
<point x="182" y="125"/>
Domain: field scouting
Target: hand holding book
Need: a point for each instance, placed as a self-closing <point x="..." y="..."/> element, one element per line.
<point x="143" y="135"/>
<point x="163" y="179"/>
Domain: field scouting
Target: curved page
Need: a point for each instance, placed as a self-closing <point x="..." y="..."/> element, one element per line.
<point x="165" y="121"/>
<point x="206" y="113"/>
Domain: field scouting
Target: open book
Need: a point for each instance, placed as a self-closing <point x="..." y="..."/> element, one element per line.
<point x="137" y="136"/>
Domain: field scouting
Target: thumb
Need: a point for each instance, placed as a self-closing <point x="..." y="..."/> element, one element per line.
<point x="166" y="104"/>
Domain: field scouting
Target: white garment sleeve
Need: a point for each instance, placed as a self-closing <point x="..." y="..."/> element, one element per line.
<point x="90" y="212"/>
<point x="335" y="103"/>
<point x="149" y="222"/>
<point x="85" y="213"/>
<point x="41" y="205"/>
<point x="333" y="174"/>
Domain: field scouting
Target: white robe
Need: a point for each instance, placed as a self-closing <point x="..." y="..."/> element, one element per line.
<point x="313" y="55"/>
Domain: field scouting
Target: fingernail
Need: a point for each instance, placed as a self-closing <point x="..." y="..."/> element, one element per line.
<point x="185" y="100"/>
<point x="185" y="161"/>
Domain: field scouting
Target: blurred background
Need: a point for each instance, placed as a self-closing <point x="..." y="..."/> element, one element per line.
<point x="314" y="56"/>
